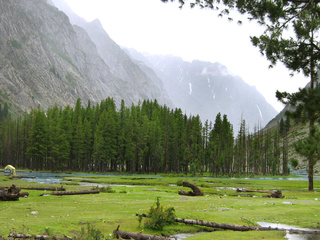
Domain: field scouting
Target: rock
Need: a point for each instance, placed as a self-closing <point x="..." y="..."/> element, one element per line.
<point x="288" y="203"/>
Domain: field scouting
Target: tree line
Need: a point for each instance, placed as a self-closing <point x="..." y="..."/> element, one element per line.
<point x="143" y="138"/>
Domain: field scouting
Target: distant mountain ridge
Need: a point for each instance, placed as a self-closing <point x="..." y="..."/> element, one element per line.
<point x="206" y="88"/>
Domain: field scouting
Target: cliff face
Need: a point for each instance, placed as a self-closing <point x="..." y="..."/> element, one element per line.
<point x="46" y="60"/>
<point x="141" y="83"/>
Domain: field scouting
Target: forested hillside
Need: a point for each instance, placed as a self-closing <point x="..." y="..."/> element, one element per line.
<point x="143" y="138"/>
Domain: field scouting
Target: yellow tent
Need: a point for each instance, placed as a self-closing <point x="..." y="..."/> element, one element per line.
<point x="10" y="169"/>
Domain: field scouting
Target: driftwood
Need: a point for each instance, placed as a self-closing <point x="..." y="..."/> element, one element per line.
<point x="249" y="190"/>
<point x="137" y="236"/>
<point x="22" y="176"/>
<point x="45" y="188"/>
<point x="242" y="227"/>
<point x="242" y="195"/>
<point x="274" y="194"/>
<point x="195" y="190"/>
<point x="72" y="193"/>
<point x="23" y="236"/>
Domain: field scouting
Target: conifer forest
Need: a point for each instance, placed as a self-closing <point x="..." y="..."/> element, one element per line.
<point x="143" y="138"/>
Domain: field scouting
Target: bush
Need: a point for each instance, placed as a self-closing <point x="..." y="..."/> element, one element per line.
<point x="158" y="218"/>
<point x="179" y="182"/>
<point x="90" y="233"/>
<point x="104" y="189"/>
<point x="294" y="163"/>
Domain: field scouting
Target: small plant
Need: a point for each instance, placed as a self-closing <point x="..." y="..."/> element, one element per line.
<point x="48" y="231"/>
<point x="90" y="233"/>
<point x="104" y="189"/>
<point x="179" y="182"/>
<point x="158" y="217"/>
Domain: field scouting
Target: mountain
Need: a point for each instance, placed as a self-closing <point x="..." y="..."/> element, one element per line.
<point x="206" y="89"/>
<point x="119" y="62"/>
<point x="44" y="59"/>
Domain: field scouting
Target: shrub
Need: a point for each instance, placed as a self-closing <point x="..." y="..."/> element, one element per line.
<point x="179" y="182"/>
<point x="294" y="163"/>
<point x="91" y="233"/>
<point x="158" y="217"/>
<point x="104" y="189"/>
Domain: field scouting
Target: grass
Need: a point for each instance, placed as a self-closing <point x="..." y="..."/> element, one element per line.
<point x="69" y="215"/>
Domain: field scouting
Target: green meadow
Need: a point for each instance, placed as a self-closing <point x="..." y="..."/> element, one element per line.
<point x="80" y="215"/>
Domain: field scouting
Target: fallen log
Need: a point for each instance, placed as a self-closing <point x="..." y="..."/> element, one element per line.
<point x="243" y="227"/>
<point x="274" y="194"/>
<point x="195" y="190"/>
<point x="72" y="193"/>
<point x="5" y="196"/>
<point x="249" y="190"/>
<point x="23" y="236"/>
<point x="45" y="188"/>
<point x="137" y="236"/>
<point x="24" y="194"/>
<point x="242" y="195"/>
<point x="215" y="225"/>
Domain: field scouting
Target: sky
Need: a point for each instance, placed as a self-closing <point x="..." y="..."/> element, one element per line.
<point x="154" y="27"/>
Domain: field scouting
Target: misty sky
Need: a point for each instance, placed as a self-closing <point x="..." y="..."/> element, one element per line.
<point x="158" y="28"/>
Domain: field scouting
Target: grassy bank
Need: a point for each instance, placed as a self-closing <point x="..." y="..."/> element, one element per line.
<point x="75" y="214"/>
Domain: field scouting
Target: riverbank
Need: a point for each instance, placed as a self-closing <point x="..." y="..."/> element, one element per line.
<point x="129" y="195"/>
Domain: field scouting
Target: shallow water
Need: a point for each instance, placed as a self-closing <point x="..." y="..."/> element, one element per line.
<point x="291" y="236"/>
<point x="56" y="178"/>
<point x="107" y="185"/>
<point x="183" y="236"/>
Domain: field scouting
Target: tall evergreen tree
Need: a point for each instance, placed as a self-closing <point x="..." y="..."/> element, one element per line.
<point x="37" y="147"/>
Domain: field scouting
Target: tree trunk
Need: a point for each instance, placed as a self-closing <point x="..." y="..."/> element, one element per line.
<point x="259" y="191"/>
<point x="23" y="236"/>
<point x="241" y="227"/>
<point x="73" y="193"/>
<point x="45" y="188"/>
<point x="195" y="190"/>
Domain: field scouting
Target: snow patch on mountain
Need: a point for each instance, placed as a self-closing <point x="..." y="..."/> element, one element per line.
<point x="260" y="112"/>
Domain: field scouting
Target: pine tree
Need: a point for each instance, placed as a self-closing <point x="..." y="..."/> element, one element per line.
<point x="37" y="147"/>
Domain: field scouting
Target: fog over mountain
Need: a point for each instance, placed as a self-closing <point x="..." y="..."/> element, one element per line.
<point x="206" y="88"/>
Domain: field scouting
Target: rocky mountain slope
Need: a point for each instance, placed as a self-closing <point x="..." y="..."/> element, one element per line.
<point x="206" y="88"/>
<point x="44" y="59"/>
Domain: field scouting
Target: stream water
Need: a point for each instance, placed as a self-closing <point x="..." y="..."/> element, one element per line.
<point x="291" y="236"/>
<point x="54" y="178"/>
